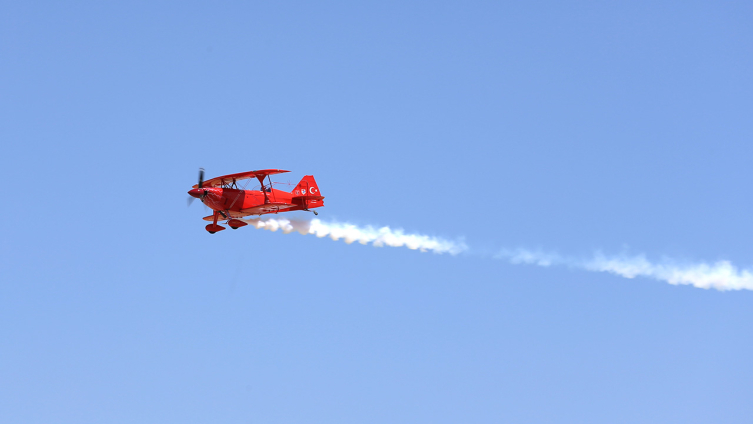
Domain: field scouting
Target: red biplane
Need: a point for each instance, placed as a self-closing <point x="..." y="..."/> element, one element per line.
<point x="230" y="202"/>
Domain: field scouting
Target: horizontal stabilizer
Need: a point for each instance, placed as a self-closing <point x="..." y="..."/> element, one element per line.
<point x="307" y="198"/>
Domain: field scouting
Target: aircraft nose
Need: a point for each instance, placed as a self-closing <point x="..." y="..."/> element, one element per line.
<point x="195" y="192"/>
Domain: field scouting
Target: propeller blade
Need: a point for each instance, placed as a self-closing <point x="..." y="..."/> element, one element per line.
<point x="201" y="177"/>
<point x="190" y="200"/>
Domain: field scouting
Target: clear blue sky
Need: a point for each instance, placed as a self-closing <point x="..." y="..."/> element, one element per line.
<point x="612" y="126"/>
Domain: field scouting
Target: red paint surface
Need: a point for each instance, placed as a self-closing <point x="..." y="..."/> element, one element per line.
<point x="229" y="203"/>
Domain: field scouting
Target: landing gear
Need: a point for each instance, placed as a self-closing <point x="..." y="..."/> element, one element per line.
<point x="213" y="227"/>
<point x="236" y="223"/>
<point x="315" y="213"/>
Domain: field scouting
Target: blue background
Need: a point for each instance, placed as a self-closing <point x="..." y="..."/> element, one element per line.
<point x="620" y="126"/>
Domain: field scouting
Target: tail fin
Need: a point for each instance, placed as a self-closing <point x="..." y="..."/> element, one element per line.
<point x="307" y="195"/>
<point x="307" y="187"/>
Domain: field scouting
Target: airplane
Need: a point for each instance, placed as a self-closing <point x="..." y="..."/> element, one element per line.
<point x="229" y="202"/>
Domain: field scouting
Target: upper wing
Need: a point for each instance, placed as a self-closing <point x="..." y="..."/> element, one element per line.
<point x="229" y="179"/>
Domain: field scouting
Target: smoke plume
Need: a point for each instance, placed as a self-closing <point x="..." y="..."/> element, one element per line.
<point x="721" y="275"/>
<point x="349" y="233"/>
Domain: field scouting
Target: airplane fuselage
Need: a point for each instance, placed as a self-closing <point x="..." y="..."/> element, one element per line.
<point x="231" y="204"/>
<point x="235" y="200"/>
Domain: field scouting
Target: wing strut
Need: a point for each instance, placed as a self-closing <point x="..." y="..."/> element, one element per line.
<point x="270" y="188"/>
<point x="261" y="181"/>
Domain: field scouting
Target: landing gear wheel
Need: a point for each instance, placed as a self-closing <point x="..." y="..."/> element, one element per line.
<point x="315" y="213"/>
<point x="236" y="223"/>
<point x="211" y="228"/>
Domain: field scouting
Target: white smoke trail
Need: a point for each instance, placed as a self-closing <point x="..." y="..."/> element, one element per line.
<point x="349" y="233"/>
<point x="721" y="275"/>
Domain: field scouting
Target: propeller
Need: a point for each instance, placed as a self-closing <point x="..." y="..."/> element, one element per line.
<point x="201" y="185"/>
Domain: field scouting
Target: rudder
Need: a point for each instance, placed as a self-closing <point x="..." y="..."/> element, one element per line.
<point x="307" y="187"/>
<point x="307" y="195"/>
